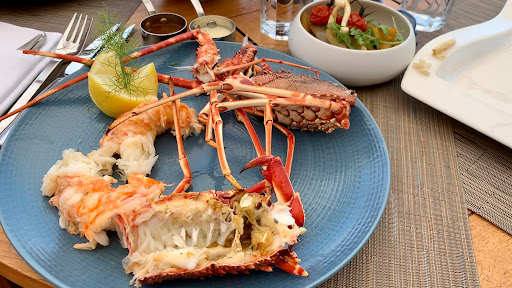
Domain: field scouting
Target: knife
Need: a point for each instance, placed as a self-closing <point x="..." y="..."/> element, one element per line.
<point x="34" y="43"/>
<point x="90" y="52"/>
<point x="127" y="32"/>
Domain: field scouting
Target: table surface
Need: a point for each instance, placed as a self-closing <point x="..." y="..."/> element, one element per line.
<point x="492" y="246"/>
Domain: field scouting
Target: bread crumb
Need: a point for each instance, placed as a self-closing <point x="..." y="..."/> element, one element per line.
<point x="440" y="50"/>
<point x="422" y="66"/>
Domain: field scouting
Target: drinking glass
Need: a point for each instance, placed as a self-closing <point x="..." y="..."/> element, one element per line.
<point x="430" y="15"/>
<point x="277" y="16"/>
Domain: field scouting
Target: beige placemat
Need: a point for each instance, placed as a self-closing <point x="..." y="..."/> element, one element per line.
<point x="486" y="173"/>
<point x="54" y="15"/>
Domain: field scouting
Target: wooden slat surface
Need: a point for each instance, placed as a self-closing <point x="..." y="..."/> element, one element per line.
<point x="492" y="246"/>
<point x="15" y="269"/>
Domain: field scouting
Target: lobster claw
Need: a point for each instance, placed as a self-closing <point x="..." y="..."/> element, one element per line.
<point x="276" y="175"/>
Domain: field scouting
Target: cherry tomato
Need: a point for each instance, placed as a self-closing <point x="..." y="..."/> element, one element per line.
<point x="355" y="20"/>
<point x="320" y="15"/>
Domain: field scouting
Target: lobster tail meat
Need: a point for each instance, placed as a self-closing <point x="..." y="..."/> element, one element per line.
<point x="199" y="234"/>
<point x="207" y="57"/>
<point x="87" y="204"/>
<point x="133" y="139"/>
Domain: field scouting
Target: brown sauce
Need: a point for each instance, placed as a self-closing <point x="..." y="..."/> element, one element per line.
<point x="162" y="28"/>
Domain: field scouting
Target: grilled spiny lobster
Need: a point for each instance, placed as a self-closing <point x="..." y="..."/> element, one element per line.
<point x="196" y="234"/>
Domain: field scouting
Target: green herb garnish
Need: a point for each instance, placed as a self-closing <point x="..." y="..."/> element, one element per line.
<point x="126" y="79"/>
<point x="341" y="37"/>
<point x="365" y="38"/>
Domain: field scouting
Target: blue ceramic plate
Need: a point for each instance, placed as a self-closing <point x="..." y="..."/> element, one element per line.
<point x="343" y="179"/>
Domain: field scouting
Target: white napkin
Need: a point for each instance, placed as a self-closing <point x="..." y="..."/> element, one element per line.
<point x="18" y="70"/>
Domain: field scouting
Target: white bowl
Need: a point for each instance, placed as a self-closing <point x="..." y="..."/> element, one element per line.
<point x="355" y="67"/>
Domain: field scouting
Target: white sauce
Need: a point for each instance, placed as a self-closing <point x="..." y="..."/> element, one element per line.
<point x="216" y="32"/>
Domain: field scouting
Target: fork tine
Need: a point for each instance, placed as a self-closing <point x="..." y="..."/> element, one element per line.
<point x="82" y="30"/>
<point x="66" y="33"/>
<point x="72" y="39"/>
<point x="72" y="45"/>
<point x="81" y="42"/>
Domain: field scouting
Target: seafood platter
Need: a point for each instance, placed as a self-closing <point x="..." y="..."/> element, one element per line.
<point x="154" y="197"/>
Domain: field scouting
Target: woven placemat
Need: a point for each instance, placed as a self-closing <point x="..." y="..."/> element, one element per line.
<point x="485" y="166"/>
<point x="54" y="15"/>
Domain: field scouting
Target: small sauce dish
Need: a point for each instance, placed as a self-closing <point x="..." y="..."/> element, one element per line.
<point x="160" y="26"/>
<point x="220" y="28"/>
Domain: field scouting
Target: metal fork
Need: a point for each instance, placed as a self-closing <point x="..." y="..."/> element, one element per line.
<point x="68" y="44"/>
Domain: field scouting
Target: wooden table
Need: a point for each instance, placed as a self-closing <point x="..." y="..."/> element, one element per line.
<point x="492" y="246"/>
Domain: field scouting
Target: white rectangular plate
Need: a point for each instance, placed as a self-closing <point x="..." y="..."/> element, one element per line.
<point x="473" y="84"/>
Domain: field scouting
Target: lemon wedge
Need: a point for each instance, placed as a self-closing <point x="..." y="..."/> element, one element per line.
<point x="109" y="96"/>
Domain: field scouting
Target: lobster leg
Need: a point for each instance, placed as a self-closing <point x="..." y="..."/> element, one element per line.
<point x="208" y="134"/>
<point x="221" y="153"/>
<point x="275" y="172"/>
<point x="221" y="70"/>
<point x="193" y="34"/>
<point x="242" y="117"/>
<point x="165" y="79"/>
<point x="214" y="98"/>
<point x="187" y="174"/>
<point x="45" y="95"/>
<point x="216" y="121"/>
<point x="288" y="262"/>
<point x="268" y="123"/>
<point x="280" y="187"/>
<point x="268" y="120"/>
<point x="290" y="147"/>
